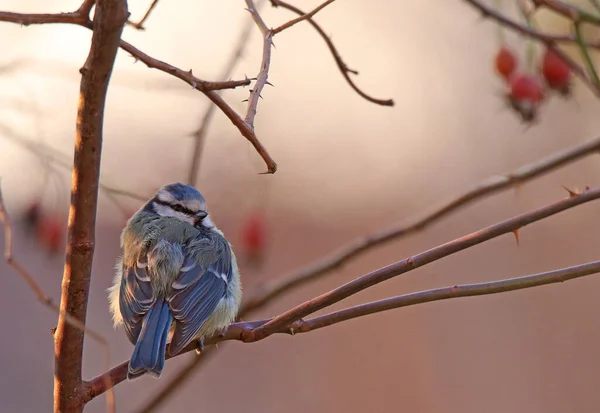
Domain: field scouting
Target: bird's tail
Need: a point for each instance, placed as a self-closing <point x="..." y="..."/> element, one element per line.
<point x="150" y="349"/>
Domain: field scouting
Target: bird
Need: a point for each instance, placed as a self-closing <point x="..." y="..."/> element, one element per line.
<point x="176" y="279"/>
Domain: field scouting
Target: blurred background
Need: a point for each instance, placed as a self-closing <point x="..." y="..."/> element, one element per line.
<point x="346" y="167"/>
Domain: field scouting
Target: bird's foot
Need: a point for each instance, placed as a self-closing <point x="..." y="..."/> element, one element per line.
<point x="200" y="345"/>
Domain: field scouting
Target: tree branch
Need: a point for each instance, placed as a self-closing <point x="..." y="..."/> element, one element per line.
<point x="416" y="261"/>
<point x="110" y="17"/>
<point x="291" y="321"/>
<point x="344" y="69"/>
<point x="306" y="16"/>
<point x="263" y="74"/>
<point x="456" y="291"/>
<point x="140" y="25"/>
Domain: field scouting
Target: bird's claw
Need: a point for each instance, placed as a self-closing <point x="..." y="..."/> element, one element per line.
<point x="200" y="345"/>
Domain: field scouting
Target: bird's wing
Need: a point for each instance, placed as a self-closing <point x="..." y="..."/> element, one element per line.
<point x="196" y="293"/>
<point x="135" y="299"/>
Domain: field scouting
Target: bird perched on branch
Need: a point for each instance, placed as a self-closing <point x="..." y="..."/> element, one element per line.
<point x="177" y="279"/>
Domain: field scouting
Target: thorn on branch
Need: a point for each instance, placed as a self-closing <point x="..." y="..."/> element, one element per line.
<point x="572" y="193"/>
<point x="516" y="234"/>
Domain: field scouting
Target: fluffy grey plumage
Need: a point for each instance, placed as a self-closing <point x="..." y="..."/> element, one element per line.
<point x="177" y="279"/>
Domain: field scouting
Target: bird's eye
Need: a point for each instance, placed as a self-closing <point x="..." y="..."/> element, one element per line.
<point x="178" y="208"/>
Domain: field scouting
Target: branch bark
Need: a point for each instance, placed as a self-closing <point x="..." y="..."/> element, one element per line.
<point x="110" y="17"/>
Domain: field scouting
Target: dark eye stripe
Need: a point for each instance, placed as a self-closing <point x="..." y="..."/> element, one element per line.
<point x="176" y="207"/>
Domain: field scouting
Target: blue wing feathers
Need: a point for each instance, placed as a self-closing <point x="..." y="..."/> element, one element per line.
<point x="193" y="302"/>
<point x="192" y="299"/>
<point x="135" y="299"/>
<point x="150" y="349"/>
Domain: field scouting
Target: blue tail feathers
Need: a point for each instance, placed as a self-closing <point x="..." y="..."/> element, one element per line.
<point x="150" y="349"/>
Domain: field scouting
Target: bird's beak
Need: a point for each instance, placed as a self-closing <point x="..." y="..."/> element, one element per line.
<point x="201" y="215"/>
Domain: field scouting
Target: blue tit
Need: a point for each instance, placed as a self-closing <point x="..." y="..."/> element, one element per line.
<point x="176" y="281"/>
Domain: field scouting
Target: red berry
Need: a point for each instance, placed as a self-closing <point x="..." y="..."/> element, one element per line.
<point x="505" y="62"/>
<point x="50" y="234"/>
<point x="556" y="72"/>
<point x="524" y="87"/>
<point x="525" y="96"/>
<point x="254" y="233"/>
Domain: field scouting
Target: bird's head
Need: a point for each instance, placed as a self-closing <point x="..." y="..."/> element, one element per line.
<point x="183" y="202"/>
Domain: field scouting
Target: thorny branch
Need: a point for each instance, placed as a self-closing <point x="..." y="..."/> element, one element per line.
<point x="291" y="321"/>
<point x="306" y="16"/>
<point x="48" y="301"/>
<point x="263" y="74"/>
<point x="344" y="69"/>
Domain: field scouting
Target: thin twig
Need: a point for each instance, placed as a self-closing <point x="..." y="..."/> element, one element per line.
<point x="306" y="16"/>
<point x="344" y="69"/>
<point x="140" y="25"/>
<point x="290" y="321"/>
<point x="109" y="20"/>
<point x="48" y="301"/>
<point x="50" y="154"/>
<point x="200" y="134"/>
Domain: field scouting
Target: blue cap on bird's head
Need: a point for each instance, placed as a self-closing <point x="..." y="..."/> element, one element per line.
<point x="181" y="192"/>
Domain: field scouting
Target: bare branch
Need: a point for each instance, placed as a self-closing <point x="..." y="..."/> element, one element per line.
<point x="306" y="16"/>
<point x="338" y="59"/>
<point x="456" y="291"/>
<point x="48" y="301"/>
<point x="416" y="261"/>
<point x="25" y="19"/>
<point x="187" y="76"/>
<point x="290" y="321"/>
<point x="356" y="247"/>
<point x="110" y="18"/>
<point x="263" y="74"/>
<point x="140" y="25"/>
